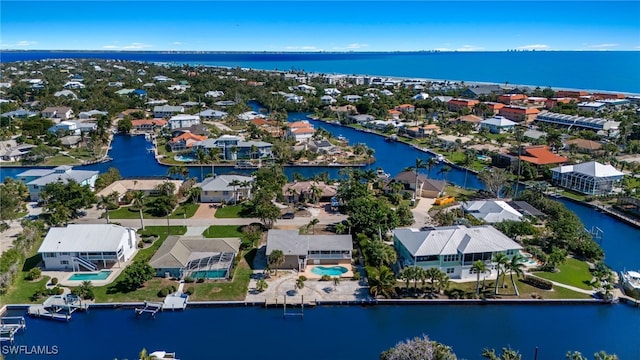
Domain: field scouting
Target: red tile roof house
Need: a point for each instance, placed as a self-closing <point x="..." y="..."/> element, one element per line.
<point x="510" y="99"/>
<point x="406" y="108"/>
<point x="148" y="124"/>
<point x="300" y="130"/>
<point x="459" y="104"/>
<point x="185" y="141"/>
<point x="519" y="113"/>
<point x="541" y="155"/>
<point x="571" y="94"/>
<point x="551" y="103"/>
<point x="394" y="114"/>
<point x="495" y="106"/>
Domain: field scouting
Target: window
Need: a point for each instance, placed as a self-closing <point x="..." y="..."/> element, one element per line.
<point x="64" y="262"/>
<point x="448" y="258"/>
<point x="510" y="252"/>
<point x="50" y="255"/>
<point x="450" y="270"/>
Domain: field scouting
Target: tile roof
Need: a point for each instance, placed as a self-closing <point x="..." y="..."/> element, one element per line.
<point x="541" y="155"/>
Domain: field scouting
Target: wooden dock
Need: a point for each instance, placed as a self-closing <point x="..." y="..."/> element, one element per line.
<point x="9" y="326"/>
<point x="150" y="308"/>
<point x="57" y="307"/>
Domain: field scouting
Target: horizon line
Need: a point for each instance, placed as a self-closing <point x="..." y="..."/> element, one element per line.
<point x="317" y="51"/>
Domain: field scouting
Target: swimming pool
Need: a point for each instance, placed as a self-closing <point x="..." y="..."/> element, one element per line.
<point x="209" y="274"/>
<point x="331" y="271"/>
<point x="184" y="158"/>
<point x="102" y="275"/>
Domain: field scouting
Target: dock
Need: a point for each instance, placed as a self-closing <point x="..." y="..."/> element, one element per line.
<point x="150" y="308"/>
<point x="175" y="301"/>
<point x="9" y="326"/>
<point x="58" y="307"/>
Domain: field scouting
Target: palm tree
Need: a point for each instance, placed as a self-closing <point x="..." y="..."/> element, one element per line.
<point x="420" y="164"/>
<point x="479" y="267"/>
<point x="370" y="153"/>
<point x="246" y="185"/>
<point x="381" y="282"/>
<point x="138" y="201"/>
<point x="276" y="259"/>
<point x="336" y="282"/>
<point x="254" y="150"/>
<point x="432" y="274"/>
<point x="299" y="283"/>
<point x="444" y="171"/>
<point x="418" y="275"/>
<point x="316" y="192"/>
<point x="501" y="260"/>
<point x="183" y="171"/>
<point x="201" y="155"/>
<point x="214" y="156"/>
<point x="108" y="201"/>
<point x="313" y="224"/>
<point x="515" y="266"/>
<point x="235" y="183"/>
<point x="407" y="274"/>
<point x="261" y="285"/>
<point x="469" y="155"/>
<point x="292" y="194"/>
<point x="194" y="193"/>
<point x="431" y="163"/>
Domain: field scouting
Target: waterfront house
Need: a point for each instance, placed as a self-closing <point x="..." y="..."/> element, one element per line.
<point x="419" y="132"/>
<point x="11" y="151"/>
<point x="491" y="211"/>
<point x="183" y="121"/>
<point x="149" y="187"/>
<point x="36" y="179"/>
<point x="64" y="128"/>
<point x="427" y="188"/>
<point x="57" y="113"/>
<point x="185" y="141"/>
<point x="233" y="148"/>
<point x="519" y="113"/>
<point x="360" y="118"/>
<point x="300" y="130"/>
<point x="89" y="247"/>
<point x="70" y="141"/>
<point x="195" y="257"/>
<point x="302" y="250"/>
<point x="165" y="111"/>
<point x="453" y="249"/>
<point x="394" y="114"/>
<point x="591" y="178"/>
<point x="452" y="141"/>
<point x="497" y="125"/>
<point x="219" y="189"/>
<point x="303" y="191"/>
<point x="460" y="104"/>
<point x="571" y="121"/>
<point x="148" y="124"/>
<point x="539" y="155"/>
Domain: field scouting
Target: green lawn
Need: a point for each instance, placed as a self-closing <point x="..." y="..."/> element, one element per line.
<point x="223" y="231"/>
<point x="60" y="159"/>
<point x="573" y="272"/>
<point x="573" y="195"/>
<point x="526" y="290"/>
<point x="125" y="212"/>
<point x="222" y="290"/>
<point x="21" y="290"/>
<point x="228" y="212"/>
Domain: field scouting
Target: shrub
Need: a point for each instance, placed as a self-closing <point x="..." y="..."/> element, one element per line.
<point x="325" y="278"/>
<point x="56" y="291"/>
<point x="538" y="282"/>
<point x="173" y="288"/>
<point x="140" y="244"/>
<point x="148" y="239"/>
<point x="189" y="280"/>
<point x="54" y="281"/>
<point x="190" y="290"/>
<point x="356" y="275"/>
<point x="33" y="274"/>
<point x="303" y="278"/>
<point x="200" y="281"/>
<point x="163" y="292"/>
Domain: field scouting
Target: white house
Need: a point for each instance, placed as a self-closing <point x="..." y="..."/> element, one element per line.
<point x="214" y="93"/>
<point x="452" y="249"/>
<point x="327" y="100"/>
<point x="63" y="113"/>
<point x="66" y="127"/>
<point x="73" y="85"/>
<point x="91" y="114"/>
<point x="36" y="179"/>
<point x="352" y="98"/>
<point x="183" y="121"/>
<point x="591" y="106"/>
<point x="210" y="114"/>
<point x="302" y="250"/>
<point x="219" y="189"/>
<point x="590" y="178"/>
<point x="491" y="211"/>
<point x="497" y="125"/>
<point x="87" y="246"/>
<point x="332" y="91"/>
<point x="300" y="130"/>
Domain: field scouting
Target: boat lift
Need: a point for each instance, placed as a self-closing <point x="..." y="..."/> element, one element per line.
<point x="150" y="308"/>
<point x="9" y="326"/>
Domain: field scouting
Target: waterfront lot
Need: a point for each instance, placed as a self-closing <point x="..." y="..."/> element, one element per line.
<point x="573" y="272"/>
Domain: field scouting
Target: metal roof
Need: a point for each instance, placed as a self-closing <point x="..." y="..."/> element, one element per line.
<point x="84" y="238"/>
<point x="292" y="243"/>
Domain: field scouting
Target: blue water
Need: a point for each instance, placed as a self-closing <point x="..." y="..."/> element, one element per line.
<point x="331" y="271"/>
<point x="90" y="276"/>
<point x="568" y="69"/>
<point x="248" y="333"/>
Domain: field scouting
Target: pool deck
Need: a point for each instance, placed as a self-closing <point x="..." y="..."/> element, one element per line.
<point x="311" y="276"/>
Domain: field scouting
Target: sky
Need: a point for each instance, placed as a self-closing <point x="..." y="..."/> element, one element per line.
<point x="319" y="26"/>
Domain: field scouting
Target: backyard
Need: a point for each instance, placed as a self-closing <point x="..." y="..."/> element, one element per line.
<point x="573" y="272"/>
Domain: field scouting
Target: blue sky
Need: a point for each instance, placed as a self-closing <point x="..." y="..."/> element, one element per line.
<point x="320" y="26"/>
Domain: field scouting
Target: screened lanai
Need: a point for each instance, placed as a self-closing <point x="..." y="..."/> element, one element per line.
<point x="209" y="266"/>
<point x="590" y="178"/>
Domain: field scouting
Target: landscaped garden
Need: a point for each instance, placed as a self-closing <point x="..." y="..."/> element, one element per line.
<point x="572" y="272"/>
<point x="185" y="210"/>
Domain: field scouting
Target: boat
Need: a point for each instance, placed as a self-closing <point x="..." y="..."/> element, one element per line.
<point x="391" y="138"/>
<point x="160" y="355"/>
<point x="341" y="138"/>
<point x="630" y="282"/>
<point x="245" y="165"/>
<point x="440" y="157"/>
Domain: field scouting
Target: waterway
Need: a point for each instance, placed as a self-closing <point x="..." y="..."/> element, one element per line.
<point x="349" y="332"/>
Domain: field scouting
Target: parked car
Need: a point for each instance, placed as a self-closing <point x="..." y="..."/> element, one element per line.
<point x="288" y="215"/>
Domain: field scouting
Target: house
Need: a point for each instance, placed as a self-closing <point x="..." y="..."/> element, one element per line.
<point x="162" y="78"/>
<point x="148" y="124"/>
<point x="197" y="129"/>
<point x="453" y="141"/>
<point x="497" y="125"/>
<point x="536" y="101"/>
<point x="73" y="85"/>
<point x="302" y="250"/>
<point x="427" y="188"/>
<point x="219" y="189"/>
<point x="541" y="155"/>
<point x="405" y="108"/>
<point x="65" y="128"/>
<point x="210" y="114"/>
<point x="89" y="247"/>
<point x="149" y="187"/>
<point x="63" y="113"/>
<point x="352" y="98"/>
<point x="511" y="99"/>
<point x="11" y="151"/>
<point x="491" y="211"/>
<point x="571" y="94"/>
<point x="480" y="90"/>
<point x="250" y="115"/>
<point x="419" y="132"/>
<point x="301" y="191"/>
<point x="303" y="88"/>
<point x="233" y="148"/>
<point x="597" y="124"/>
<point x="66" y="93"/>
<point x="332" y="91"/>
<point x="214" y="93"/>
<point x="165" y="111"/>
<point x="92" y="114"/>
<point x="322" y="146"/>
<point x="591" y="178"/>
<point x="459" y="104"/>
<point x="591" y="106"/>
<point x="327" y="100"/>
<point x="183" y="121"/>
<point x="421" y="96"/>
<point x="519" y="113"/>
<point x="185" y="141"/>
<point x="300" y="130"/>
<point x="360" y="118"/>
<point x="224" y="103"/>
<point x="394" y="114"/>
<point x="36" y="179"/>
<point x="453" y="249"/>
<point x="494" y="106"/>
<point x="525" y="208"/>
<point x="470" y="119"/>
<point x="607" y="96"/>
<point x="195" y="257"/>
<point x="124" y="92"/>
<point x="583" y="145"/>
<point x="20" y="114"/>
<point x="70" y="141"/>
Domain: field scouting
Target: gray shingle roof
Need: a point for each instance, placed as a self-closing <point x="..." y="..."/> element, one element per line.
<point x="292" y="243"/>
<point x="176" y="251"/>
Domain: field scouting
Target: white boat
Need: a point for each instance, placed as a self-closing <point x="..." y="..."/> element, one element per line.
<point x="630" y="282"/>
<point x="160" y="355"/>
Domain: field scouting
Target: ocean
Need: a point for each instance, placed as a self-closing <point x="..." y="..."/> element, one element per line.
<point x="591" y="70"/>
